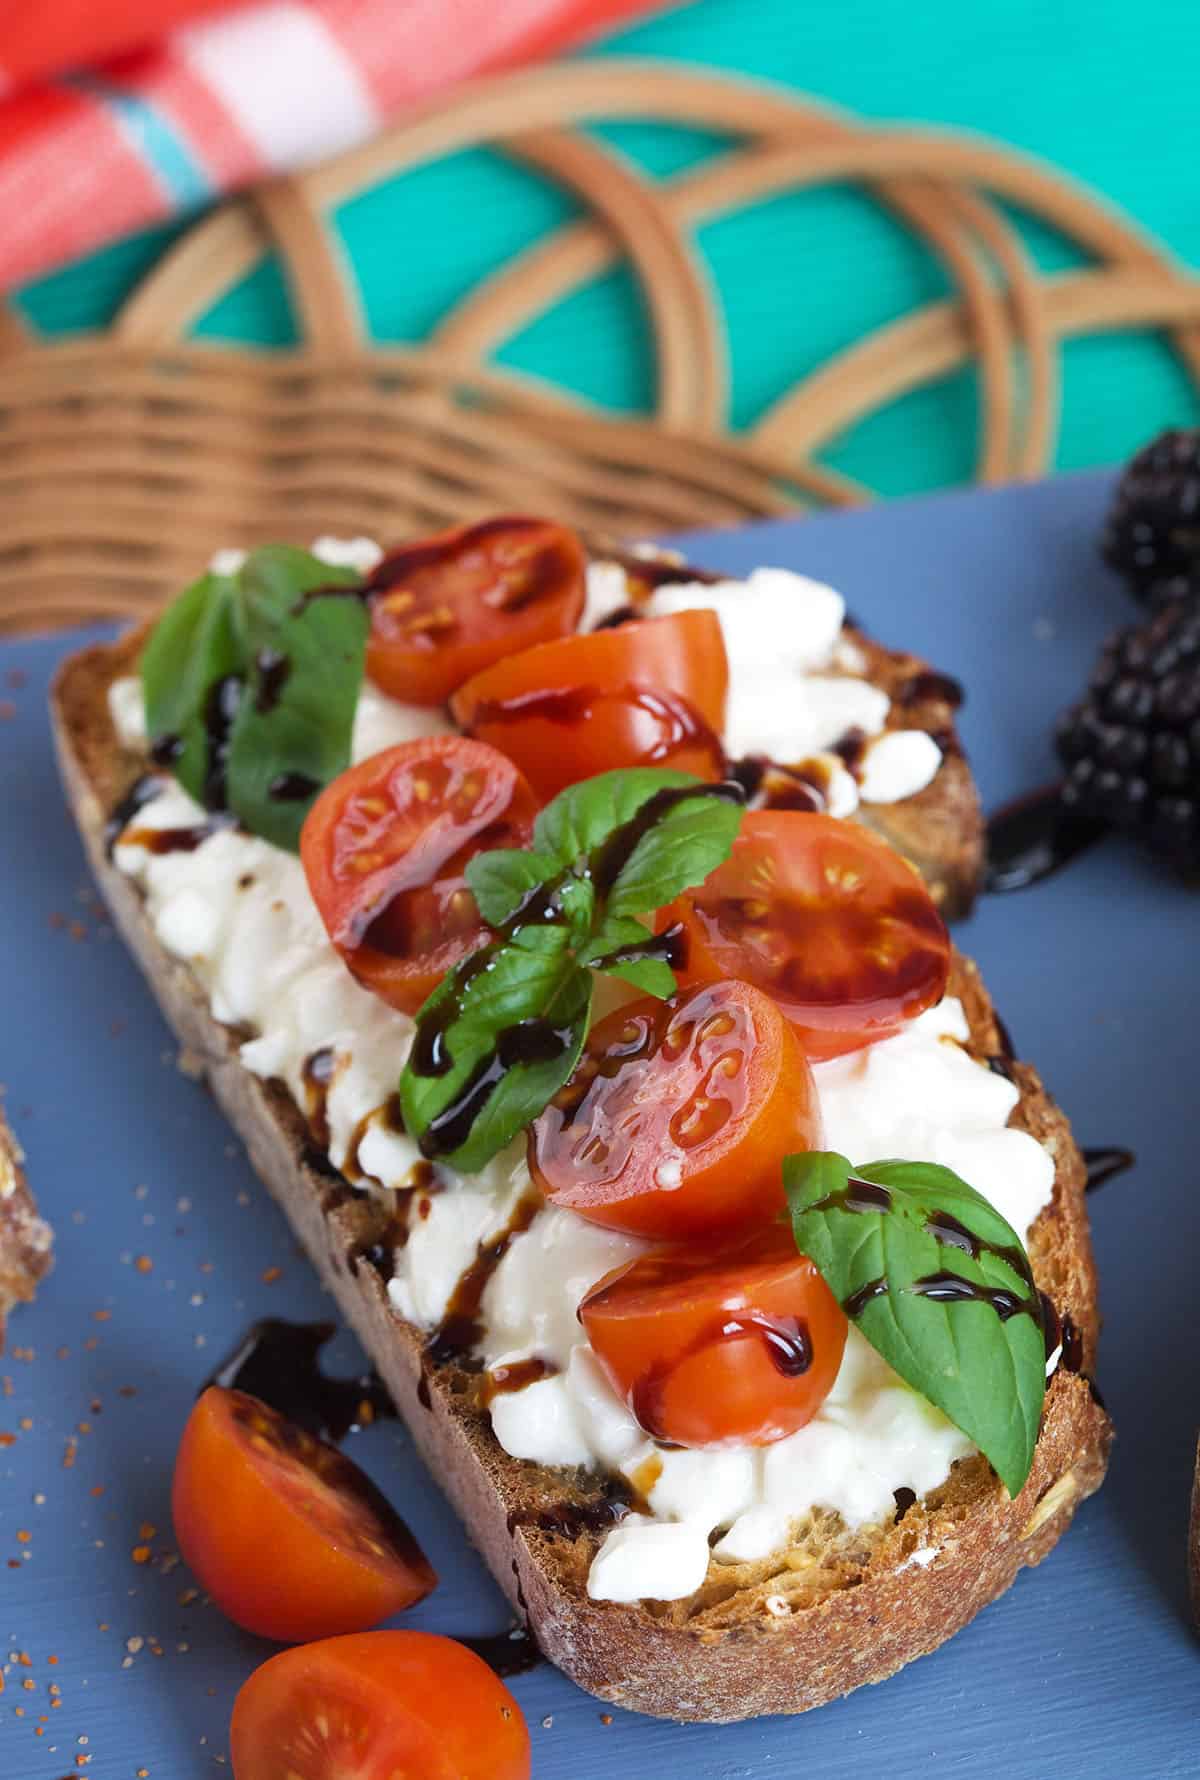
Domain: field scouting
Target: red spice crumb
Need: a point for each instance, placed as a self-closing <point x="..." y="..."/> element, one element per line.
<point x="55" y="1689"/>
<point x="91" y="1344"/>
<point x="95" y="1405"/>
<point x="606" y="1718"/>
<point x="57" y="921"/>
<point x="53" y="1661"/>
<point x="7" y="1440"/>
<point x="28" y="1685"/>
<point x="8" y="1385"/>
<point x="141" y="1554"/>
<point x="102" y="1316"/>
<point x="25" y="1423"/>
<point x="24" y="1658"/>
<point x="127" y="1390"/>
<point x="7" y="710"/>
<point x="14" y="1563"/>
<point x="146" y="1530"/>
<point x="23" y="1353"/>
<point x="271" y="1275"/>
<point x="63" y="1353"/>
<point x="24" y="1535"/>
<point x="84" y="1427"/>
<point x="77" y="930"/>
<point x="144" y="1264"/>
<point x="71" y="1453"/>
<point x="18" y="1711"/>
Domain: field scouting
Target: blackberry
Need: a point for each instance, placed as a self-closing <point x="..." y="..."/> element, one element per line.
<point x="1131" y="746"/>
<point x="1152" y="534"/>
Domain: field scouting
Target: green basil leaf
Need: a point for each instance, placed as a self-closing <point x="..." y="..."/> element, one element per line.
<point x="191" y="650"/>
<point x="623" y="948"/>
<point x="294" y="725"/>
<point x="940" y="1284"/>
<point x="530" y="994"/>
<point x="577" y="823"/>
<point x="250" y="688"/>
<point x="507" y="879"/>
<point x="692" y="839"/>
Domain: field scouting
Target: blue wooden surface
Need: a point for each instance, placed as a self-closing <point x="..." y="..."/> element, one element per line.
<point x="1086" y="1668"/>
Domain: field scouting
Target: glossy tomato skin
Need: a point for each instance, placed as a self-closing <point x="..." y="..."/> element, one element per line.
<point x="446" y="607"/>
<point x="710" y="1347"/>
<point x="384" y="850"/>
<point x="825" y="917"/>
<point x="290" y="1539"/>
<point x="381" y="1706"/>
<point x="648" y="693"/>
<point x="676" y="1121"/>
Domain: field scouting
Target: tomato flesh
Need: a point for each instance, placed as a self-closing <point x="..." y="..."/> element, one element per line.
<point x="290" y="1539"/>
<point x="826" y="918"/>
<point x="385" y="848"/>
<point x="734" y="1346"/>
<point x="649" y="693"/>
<point x="678" y="1116"/>
<point x="380" y="1706"/>
<point x="447" y="607"/>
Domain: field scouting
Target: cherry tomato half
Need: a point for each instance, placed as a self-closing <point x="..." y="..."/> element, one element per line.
<point x="384" y="850"/>
<point x="834" y="925"/>
<point x="447" y="607"/>
<point x="649" y="693"/>
<point x="678" y="1116"/>
<point x="738" y="1346"/>
<point x="290" y="1539"/>
<point x="382" y="1706"/>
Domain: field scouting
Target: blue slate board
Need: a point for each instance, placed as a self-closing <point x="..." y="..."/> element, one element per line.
<point x="1086" y="1667"/>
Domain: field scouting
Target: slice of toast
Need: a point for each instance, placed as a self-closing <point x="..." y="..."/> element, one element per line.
<point x="836" y="1610"/>
<point x="26" y="1240"/>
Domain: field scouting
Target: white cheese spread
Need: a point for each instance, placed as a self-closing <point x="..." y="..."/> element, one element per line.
<point x="238" y="911"/>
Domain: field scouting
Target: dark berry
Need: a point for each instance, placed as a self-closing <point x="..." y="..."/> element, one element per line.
<point x="1152" y="534"/>
<point x="1131" y="746"/>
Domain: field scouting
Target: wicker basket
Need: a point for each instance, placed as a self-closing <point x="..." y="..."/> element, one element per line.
<point x="126" y="456"/>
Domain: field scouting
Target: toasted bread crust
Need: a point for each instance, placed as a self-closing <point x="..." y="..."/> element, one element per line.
<point x="26" y="1240"/>
<point x="838" y="1609"/>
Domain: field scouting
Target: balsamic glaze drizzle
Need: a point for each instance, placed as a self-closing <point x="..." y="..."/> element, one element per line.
<point x="1033" y="837"/>
<point x="1104" y="1164"/>
<point x="507" y="1653"/>
<point x="279" y="1363"/>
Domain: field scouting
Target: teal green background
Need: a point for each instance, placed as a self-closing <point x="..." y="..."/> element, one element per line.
<point x="1105" y="89"/>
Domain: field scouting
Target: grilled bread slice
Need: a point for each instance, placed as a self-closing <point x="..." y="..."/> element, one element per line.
<point x="838" y="1609"/>
<point x="26" y="1240"/>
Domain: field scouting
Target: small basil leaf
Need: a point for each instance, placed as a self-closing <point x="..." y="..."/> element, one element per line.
<point x="293" y="729"/>
<point x="940" y="1284"/>
<point x="516" y="1027"/>
<point x="691" y="840"/>
<point x="192" y="649"/>
<point x="575" y="824"/>
<point x="623" y="948"/>
<point x="507" y="879"/>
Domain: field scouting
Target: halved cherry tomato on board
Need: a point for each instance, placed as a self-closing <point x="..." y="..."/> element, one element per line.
<point x="290" y="1539"/>
<point x="649" y="693"/>
<point x="678" y="1116"/>
<point x="834" y="925"/>
<point x="446" y="607"/>
<point x="382" y="1706"/>
<point x="737" y="1346"/>
<point x="384" y="850"/>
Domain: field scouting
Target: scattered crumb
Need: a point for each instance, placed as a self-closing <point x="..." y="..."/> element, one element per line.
<point x="144" y="1264"/>
<point x="140" y="1554"/>
<point x="271" y="1274"/>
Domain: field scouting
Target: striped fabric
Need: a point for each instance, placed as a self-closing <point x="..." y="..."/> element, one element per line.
<point x="230" y="96"/>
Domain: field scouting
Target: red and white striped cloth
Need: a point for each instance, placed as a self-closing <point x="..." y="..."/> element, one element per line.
<point x="160" y="128"/>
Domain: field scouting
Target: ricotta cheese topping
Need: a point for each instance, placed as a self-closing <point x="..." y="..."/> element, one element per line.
<point x="238" y="911"/>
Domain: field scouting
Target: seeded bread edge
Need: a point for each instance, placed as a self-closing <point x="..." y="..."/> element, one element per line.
<point x="26" y="1240"/>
